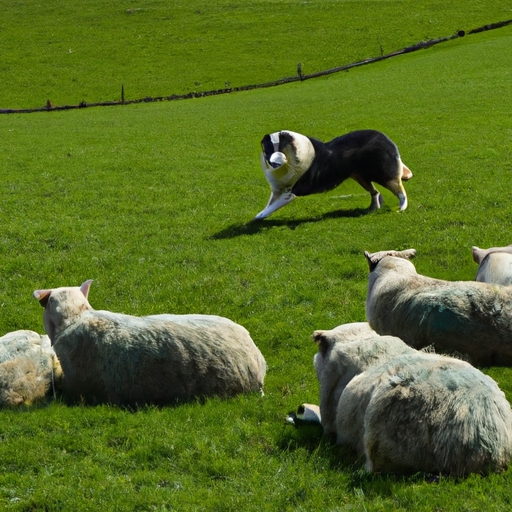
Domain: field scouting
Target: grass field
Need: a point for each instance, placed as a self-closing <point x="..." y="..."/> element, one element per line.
<point x="153" y="202"/>
<point x="77" y="51"/>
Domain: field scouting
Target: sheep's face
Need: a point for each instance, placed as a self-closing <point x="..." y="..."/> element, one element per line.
<point x="62" y="306"/>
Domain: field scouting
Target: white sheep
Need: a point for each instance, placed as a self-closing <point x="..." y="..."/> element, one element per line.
<point x="161" y="359"/>
<point x="408" y="411"/>
<point x="346" y="361"/>
<point x="495" y="265"/>
<point x="471" y="318"/>
<point x="29" y="369"/>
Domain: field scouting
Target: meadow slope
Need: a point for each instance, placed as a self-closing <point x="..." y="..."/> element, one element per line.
<point x="74" y="51"/>
<point x="153" y="202"/>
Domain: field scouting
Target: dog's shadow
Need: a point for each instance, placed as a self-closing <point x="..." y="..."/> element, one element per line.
<point x="255" y="226"/>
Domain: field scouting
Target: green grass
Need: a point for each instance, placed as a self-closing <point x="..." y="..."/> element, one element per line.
<point x="153" y="202"/>
<point x="74" y="51"/>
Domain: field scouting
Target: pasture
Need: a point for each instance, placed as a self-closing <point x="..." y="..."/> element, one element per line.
<point x="153" y="202"/>
<point x="76" y="51"/>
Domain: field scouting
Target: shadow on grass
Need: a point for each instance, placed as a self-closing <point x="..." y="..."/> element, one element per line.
<point x="255" y="226"/>
<point x="312" y="439"/>
<point x="346" y="460"/>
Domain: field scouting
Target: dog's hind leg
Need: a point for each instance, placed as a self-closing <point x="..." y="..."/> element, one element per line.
<point x="368" y="185"/>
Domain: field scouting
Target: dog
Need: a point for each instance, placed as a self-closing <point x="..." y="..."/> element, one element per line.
<point x="297" y="165"/>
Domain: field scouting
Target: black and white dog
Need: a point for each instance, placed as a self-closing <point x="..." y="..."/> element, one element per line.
<point x="296" y="165"/>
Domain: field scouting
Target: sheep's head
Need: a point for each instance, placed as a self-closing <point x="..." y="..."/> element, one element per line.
<point x="375" y="257"/>
<point x="480" y="254"/>
<point x="62" y="305"/>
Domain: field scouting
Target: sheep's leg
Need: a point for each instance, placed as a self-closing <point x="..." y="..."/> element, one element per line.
<point x="368" y="185"/>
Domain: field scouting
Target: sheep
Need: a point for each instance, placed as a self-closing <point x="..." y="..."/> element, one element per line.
<point x="407" y="411"/>
<point x="495" y="265"/>
<point x="297" y="165"/>
<point x="468" y="317"/>
<point x="29" y="369"/>
<point x="160" y="359"/>
<point x="338" y="370"/>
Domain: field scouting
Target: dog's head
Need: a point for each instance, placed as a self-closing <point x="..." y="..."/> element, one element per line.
<point x="284" y="158"/>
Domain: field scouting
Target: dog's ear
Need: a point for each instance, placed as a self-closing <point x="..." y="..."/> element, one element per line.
<point x="285" y="139"/>
<point x="267" y="146"/>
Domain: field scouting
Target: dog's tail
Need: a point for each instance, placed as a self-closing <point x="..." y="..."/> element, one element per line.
<point x="406" y="172"/>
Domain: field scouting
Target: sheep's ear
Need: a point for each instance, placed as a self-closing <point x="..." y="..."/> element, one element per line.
<point x="477" y="254"/>
<point x="42" y="296"/>
<point x="407" y="254"/>
<point x="84" y="288"/>
<point x="322" y="340"/>
<point x="372" y="263"/>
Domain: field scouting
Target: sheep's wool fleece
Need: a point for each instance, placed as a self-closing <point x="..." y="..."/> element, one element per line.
<point x="425" y="412"/>
<point x="27" y="361"/>
<point x="405" y="410"/>
<point x="345" y="352"/>
<point x="467" y="317"/>
<point x="161" y="359"/>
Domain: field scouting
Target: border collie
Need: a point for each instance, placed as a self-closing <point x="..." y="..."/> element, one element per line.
<point x="296" y="165"/>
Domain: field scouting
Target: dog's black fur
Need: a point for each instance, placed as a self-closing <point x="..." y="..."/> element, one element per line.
<point x="366" y="155"/>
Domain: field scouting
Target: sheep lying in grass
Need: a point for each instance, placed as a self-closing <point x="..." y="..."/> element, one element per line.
<point x="409" y="411"/>
<point x="341" y="373"/>
<point x="162" y="359"/>
<point x="28" y="368"/>
<point x="495" y="265"/>
<point x="468" y="317"/>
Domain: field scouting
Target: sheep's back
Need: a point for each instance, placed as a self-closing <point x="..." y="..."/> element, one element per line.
<point x="462" y="316"/>
<point x="429" y="413"/>
<point x="108" y="357"/>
